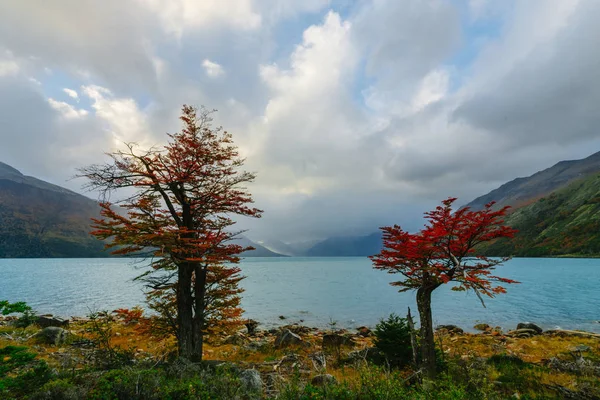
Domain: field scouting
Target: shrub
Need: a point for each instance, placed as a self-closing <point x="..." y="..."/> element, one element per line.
<point x="28" y="316"/>
<point x="105" y="355"/>
<point x="392" y="338"/>
<point x="20" y="372"/>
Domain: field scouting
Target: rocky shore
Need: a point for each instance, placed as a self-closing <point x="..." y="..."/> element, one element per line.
<point x="267" y="359"/>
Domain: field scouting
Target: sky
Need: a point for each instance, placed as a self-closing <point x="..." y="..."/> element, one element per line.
<point x="353" y="114"/>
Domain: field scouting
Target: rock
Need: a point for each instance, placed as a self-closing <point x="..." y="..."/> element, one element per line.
<point x="44" y="321"/>
<point x="251" y="380"/>
<point x="335" y="341"/>
<point x="251" y="326"/>
<point x="569" y="333"/>
<point x="53" y="335"/>
<point x="237" y="339"/>
<point x="450" y="329"/>
<point x="482" y="327"/>
<point x="522" y="333"/>
<point x="364" y="331"/>
<point x="323" y="380"/>
<point x="529" y="325"/>
<point x="282" y="317"/>
<point x="287" y="338"/>
<point x="297" y="329"/>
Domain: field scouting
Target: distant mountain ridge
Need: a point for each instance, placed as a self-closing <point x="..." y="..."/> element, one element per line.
<point x="522" y="191"/>
<point x="39" y="219"/>
<point x="42" y="220"/>
<point x="353" y="246"/>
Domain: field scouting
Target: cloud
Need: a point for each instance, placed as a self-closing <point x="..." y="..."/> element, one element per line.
<point x="8" y="67"/>
<point x="353" y="115"/>
<point x="66" y="110"/>
<point x="71" y="93"/>
<point x="177" y="16"/>
<point x="212" y="69"/>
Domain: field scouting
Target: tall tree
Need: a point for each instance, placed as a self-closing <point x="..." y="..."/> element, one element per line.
<point x="181" y="200"/>
<point x="444" y="251"/>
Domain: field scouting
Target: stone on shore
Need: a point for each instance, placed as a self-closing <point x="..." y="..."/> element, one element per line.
<point x="46" y="320"/>
<point x="450" y="329"/>
<point x="482" y="327"/>
<point x="287" y="338"/>
<point x="53" y="335"/>
<point x="529" y="325"/>
<point x="323" y="380"/>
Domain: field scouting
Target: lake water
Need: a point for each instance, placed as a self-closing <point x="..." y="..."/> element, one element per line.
<point x="554" y="292"/>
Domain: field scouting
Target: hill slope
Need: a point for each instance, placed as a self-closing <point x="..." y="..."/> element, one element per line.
<point x="522" y="191"/>
<point x="38" y="219"/>
<point x="41" y="220"/>
<point x="566" y="222"/>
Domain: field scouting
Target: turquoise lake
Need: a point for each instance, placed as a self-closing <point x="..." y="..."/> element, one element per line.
<point x="554" y="293"/>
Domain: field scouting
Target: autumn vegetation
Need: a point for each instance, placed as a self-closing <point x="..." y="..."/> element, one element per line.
<point x="179" y="214"/>
<point x="443" y="252"/>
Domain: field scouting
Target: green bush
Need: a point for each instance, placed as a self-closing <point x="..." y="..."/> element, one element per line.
<point x="20" y="372"/>
<point x="392" y="338"/>
<point x="28" y="316"/>
<point x="60" y="389"/>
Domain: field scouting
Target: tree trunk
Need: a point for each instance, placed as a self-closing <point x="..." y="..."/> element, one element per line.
<point x="185" y="328"/>
<point x="427" y="340"/>
<point x="199" y="310"/>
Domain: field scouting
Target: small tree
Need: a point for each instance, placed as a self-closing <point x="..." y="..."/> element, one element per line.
<point x="444" y="251"/>
<point x="183" y="197"/>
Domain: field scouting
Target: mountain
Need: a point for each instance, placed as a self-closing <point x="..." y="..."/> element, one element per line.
<point x="350" y="246"/>
<point x="293" y="249"/>
<point x="523" y="191"/>
<point x="42" y="220"/>
<point x="259" y="251"/>
<point x="38" y="219"/>
<point x="565" y="222"/>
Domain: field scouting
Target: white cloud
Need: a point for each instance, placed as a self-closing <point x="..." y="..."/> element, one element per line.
<point x="178" y="16"/>
<point x="212" y="69"/>
<point x="71" y="93"/>
<point x="122" y="117"/>
<point x="66" y="110"/>
<point x="8" y="67"/>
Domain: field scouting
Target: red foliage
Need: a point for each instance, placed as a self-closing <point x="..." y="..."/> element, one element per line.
<point x="179" y="215"/>
<point x="445" y="250"/>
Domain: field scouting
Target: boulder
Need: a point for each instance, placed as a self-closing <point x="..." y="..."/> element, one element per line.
<point x="47" y="320"/>
<point x="53" y="335"/>
<point x="251" y="326"/>
<point x="450" y="329"/>
<point x="522" y="333"/>
<point x="482" y="327"/>
<point x="529" y="325"/>
<point x="236" y="339"/>
<point x="287" y="338"/>
<point x="323" y="380"/>
<point x="364" y="331"/>
<point x="251" y="380"/>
